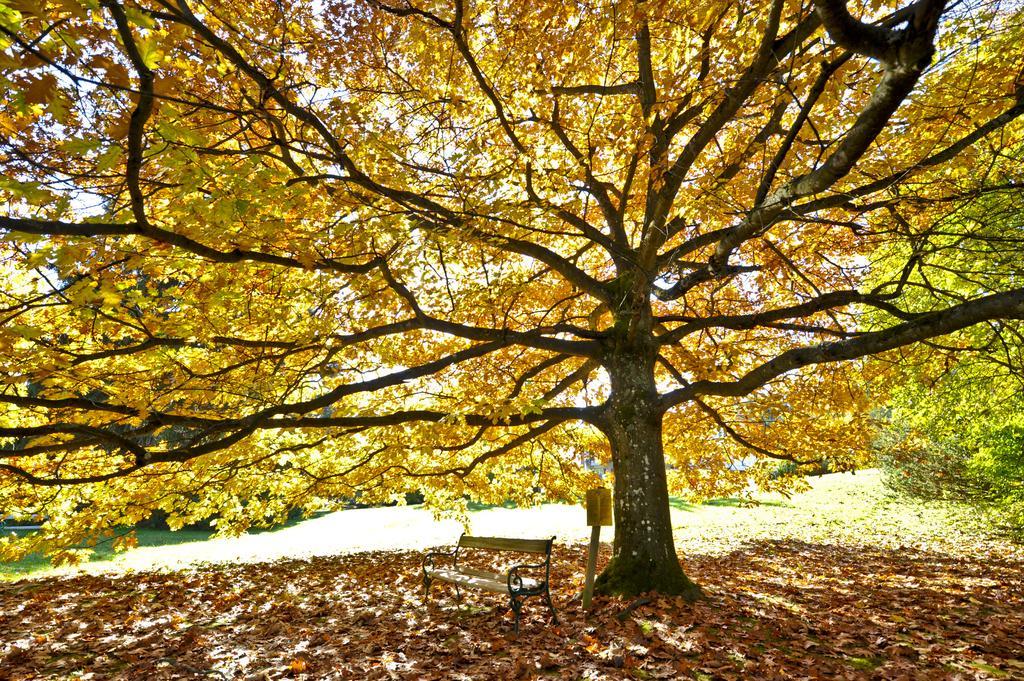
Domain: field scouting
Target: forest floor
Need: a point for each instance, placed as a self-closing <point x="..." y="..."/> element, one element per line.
<point x="837" y="582"/>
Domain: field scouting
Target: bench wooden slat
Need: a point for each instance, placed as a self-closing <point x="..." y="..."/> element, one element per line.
<point x="459" y="576"/>
<point x="506" y="544"/>
<point x="482" y="573"/>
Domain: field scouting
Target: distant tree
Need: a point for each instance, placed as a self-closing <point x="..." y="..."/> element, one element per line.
<point x="955" y="430"/>
<point x="374" y="245"/>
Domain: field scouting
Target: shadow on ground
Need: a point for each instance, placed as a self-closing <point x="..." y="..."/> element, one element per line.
<point x="774" y="610"/>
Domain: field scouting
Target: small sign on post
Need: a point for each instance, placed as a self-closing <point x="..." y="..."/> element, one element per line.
<point x="599" y="512"/>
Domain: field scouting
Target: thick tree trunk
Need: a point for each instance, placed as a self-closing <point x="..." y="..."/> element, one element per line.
<point x="644" y="557"/>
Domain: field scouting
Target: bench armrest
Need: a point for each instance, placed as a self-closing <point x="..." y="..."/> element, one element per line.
<point x="515" y="580"/>
<point x="428" y="560"/>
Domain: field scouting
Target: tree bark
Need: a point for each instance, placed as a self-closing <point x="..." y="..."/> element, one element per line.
<point x="644" y="555"/>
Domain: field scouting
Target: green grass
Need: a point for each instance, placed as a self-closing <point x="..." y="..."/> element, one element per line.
<point x="104" y="552"/>
<point x="840" y="508"/>
<point x="864" y="663"/>
<point x="731" y="502"/>
<point x="847" y="508"/>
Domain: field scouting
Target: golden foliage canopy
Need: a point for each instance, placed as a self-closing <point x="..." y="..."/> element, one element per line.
<point x="301" y="251"/>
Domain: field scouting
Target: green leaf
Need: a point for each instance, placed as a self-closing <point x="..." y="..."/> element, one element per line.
<point x="150" y="52"/>
<point x="109" y="158"/>
<point x="80" y="145"/>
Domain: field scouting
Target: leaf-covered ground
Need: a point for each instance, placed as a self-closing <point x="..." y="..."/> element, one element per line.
<point x="841" y="581"/>
<point x="774" y="609"/>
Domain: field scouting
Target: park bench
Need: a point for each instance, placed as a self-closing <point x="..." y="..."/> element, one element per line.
<point x="518" y="587"/>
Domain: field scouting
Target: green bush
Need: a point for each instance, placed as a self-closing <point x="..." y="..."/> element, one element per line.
<point x="942" y="449"/>
<point x="785" y="468"/>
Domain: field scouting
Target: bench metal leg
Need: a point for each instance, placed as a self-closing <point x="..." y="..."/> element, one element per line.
<point x="517" y="606"/>
<point x="426" y="587"/>
<point x="551" y="606"/>
<point x="458" y="593"/>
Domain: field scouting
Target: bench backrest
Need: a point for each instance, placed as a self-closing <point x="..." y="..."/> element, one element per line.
<point x="506" y="544"/>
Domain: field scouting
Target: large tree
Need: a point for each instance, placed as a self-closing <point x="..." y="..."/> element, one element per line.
<point x="268" y="253"/>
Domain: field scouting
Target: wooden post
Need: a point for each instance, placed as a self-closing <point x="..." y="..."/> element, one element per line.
<point x="599" y="512"/>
